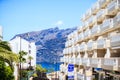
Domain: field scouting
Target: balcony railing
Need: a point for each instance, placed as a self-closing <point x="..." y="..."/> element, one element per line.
<point x="97" y="62"/>
<point x="104" y="3"/>
<point x="100" y="15"/>
<point x="80" y="37"/>
<point x="66" y="44"/>
<point x="116" y="20"/>
<point x="101" y="43"/>
<point x="115" y="40"/>
<point x="95" y="8"/>
<point x="94" y="61"/>
<point x="89" y="45"/>
<point x="106" y="24"/>
<point x="112" y="63"/>
<point x="87" y="33"/>
<point x="82" y="47"/>
<point x="113" y="7"/>
<point x="95" y="29"/>
<point x="83" y="18"/>
<point x="62" y="59"/>
<point x="78" y="61"/>
<point x="88" y="13"/>
<point x="86" y="61"/>
<point x="91" y="21"/>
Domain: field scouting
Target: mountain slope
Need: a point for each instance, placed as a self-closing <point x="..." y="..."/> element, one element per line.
<point x="49" y="42"/>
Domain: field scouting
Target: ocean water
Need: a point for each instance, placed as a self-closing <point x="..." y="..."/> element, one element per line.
<point x="50" y="66"/>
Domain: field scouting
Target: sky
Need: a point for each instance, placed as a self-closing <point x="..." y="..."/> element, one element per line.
<point x="20" y="16"/>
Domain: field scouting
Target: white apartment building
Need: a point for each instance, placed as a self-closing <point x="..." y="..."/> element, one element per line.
<point x="19" y="44"/>
<point x="94" y="48"/>
<point x="1" y="33"/>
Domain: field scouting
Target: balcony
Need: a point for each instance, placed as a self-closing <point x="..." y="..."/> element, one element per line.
<point x="79" y="29"/>
<point x="91" y="21"/>
<point x="95" y="8"/>
<point x="72" y="42"/>
<point x="106" y="24"/>
<point x="87" y="33"/>
<point x="76" y="39"/>
<point x="96" y="62"/>
<point x="112" y="63"/>
<point x="113" y="7"/>
<point x="101" y="43"/>
<point x="82" y="47"/>
<point x="116" y="20"/>
<point x="66" y="60"/>
<point x="62" y="59"/>
<point x="78" y="61"/>
<point x="104" y="3"/>
<point x="85" y="25"/>
<point x="95" y="30"/>
<point x="80" y="37"/>
<point x="88" y="14"/>
<point x="100" y="15"/>
<point x="69" y="50"/>
<point x="89" y="45"/>
<point x="86" y="61"/>
<point x="83" y="18"/>
<point x="115" y="41"/>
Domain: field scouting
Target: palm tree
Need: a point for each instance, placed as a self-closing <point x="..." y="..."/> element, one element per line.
<point x="30" y="58"/>
<point x="21" y="56"/>
<point x="7" y="55"/>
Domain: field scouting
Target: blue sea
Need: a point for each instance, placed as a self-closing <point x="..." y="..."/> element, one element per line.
<point x="48" y="66"/>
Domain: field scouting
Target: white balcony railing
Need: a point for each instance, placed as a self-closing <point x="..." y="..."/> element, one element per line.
<point x="95" y="29"/>
<point x="94" y="61"/>
<point x="89" y="45"/>
<point x="95" y="8"/>
<point x="113" y="7"/>
<point x="91" y="21"/>
<point x="97" y="62"/>
<point x="115" y="40"/>
<point x="88" y="13"/>
<point x="62" y="59"/>
<point x="78" y="61"/>
<point x="100" y="15"/>
<point x="110" y="62"/>
<point x="80" y="36"/>
<point x="86" y="61"/>
<point x="83" y="18"/>
<point x="104" y="3"/>
<point x="106" y="24"/>
<point x="87" y="33"/>
<point x="101" y="43"/>
<point x="82" y="47"/>
<point x="116" y="20"/>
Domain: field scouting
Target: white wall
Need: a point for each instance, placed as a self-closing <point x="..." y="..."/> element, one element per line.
<point x="25" y="46"/>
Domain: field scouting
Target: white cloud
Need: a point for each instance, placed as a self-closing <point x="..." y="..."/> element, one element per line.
<point x="59" y="23"/>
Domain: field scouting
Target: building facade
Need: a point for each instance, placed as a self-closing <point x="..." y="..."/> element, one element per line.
<point x="19" y="44"/>
<point x="94" y="48"/>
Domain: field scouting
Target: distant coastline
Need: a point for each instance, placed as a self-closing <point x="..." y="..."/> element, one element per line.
<point x="48" y="65"/>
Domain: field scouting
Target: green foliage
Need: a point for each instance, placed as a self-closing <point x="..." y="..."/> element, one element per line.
<point x="21" y="56"/>
<point x="6" y="72"/>
<point x="40" y="68"/>
<point x="6" y="54"/>
<point x="24" y="73"/>
<point x="34" y="75"/>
